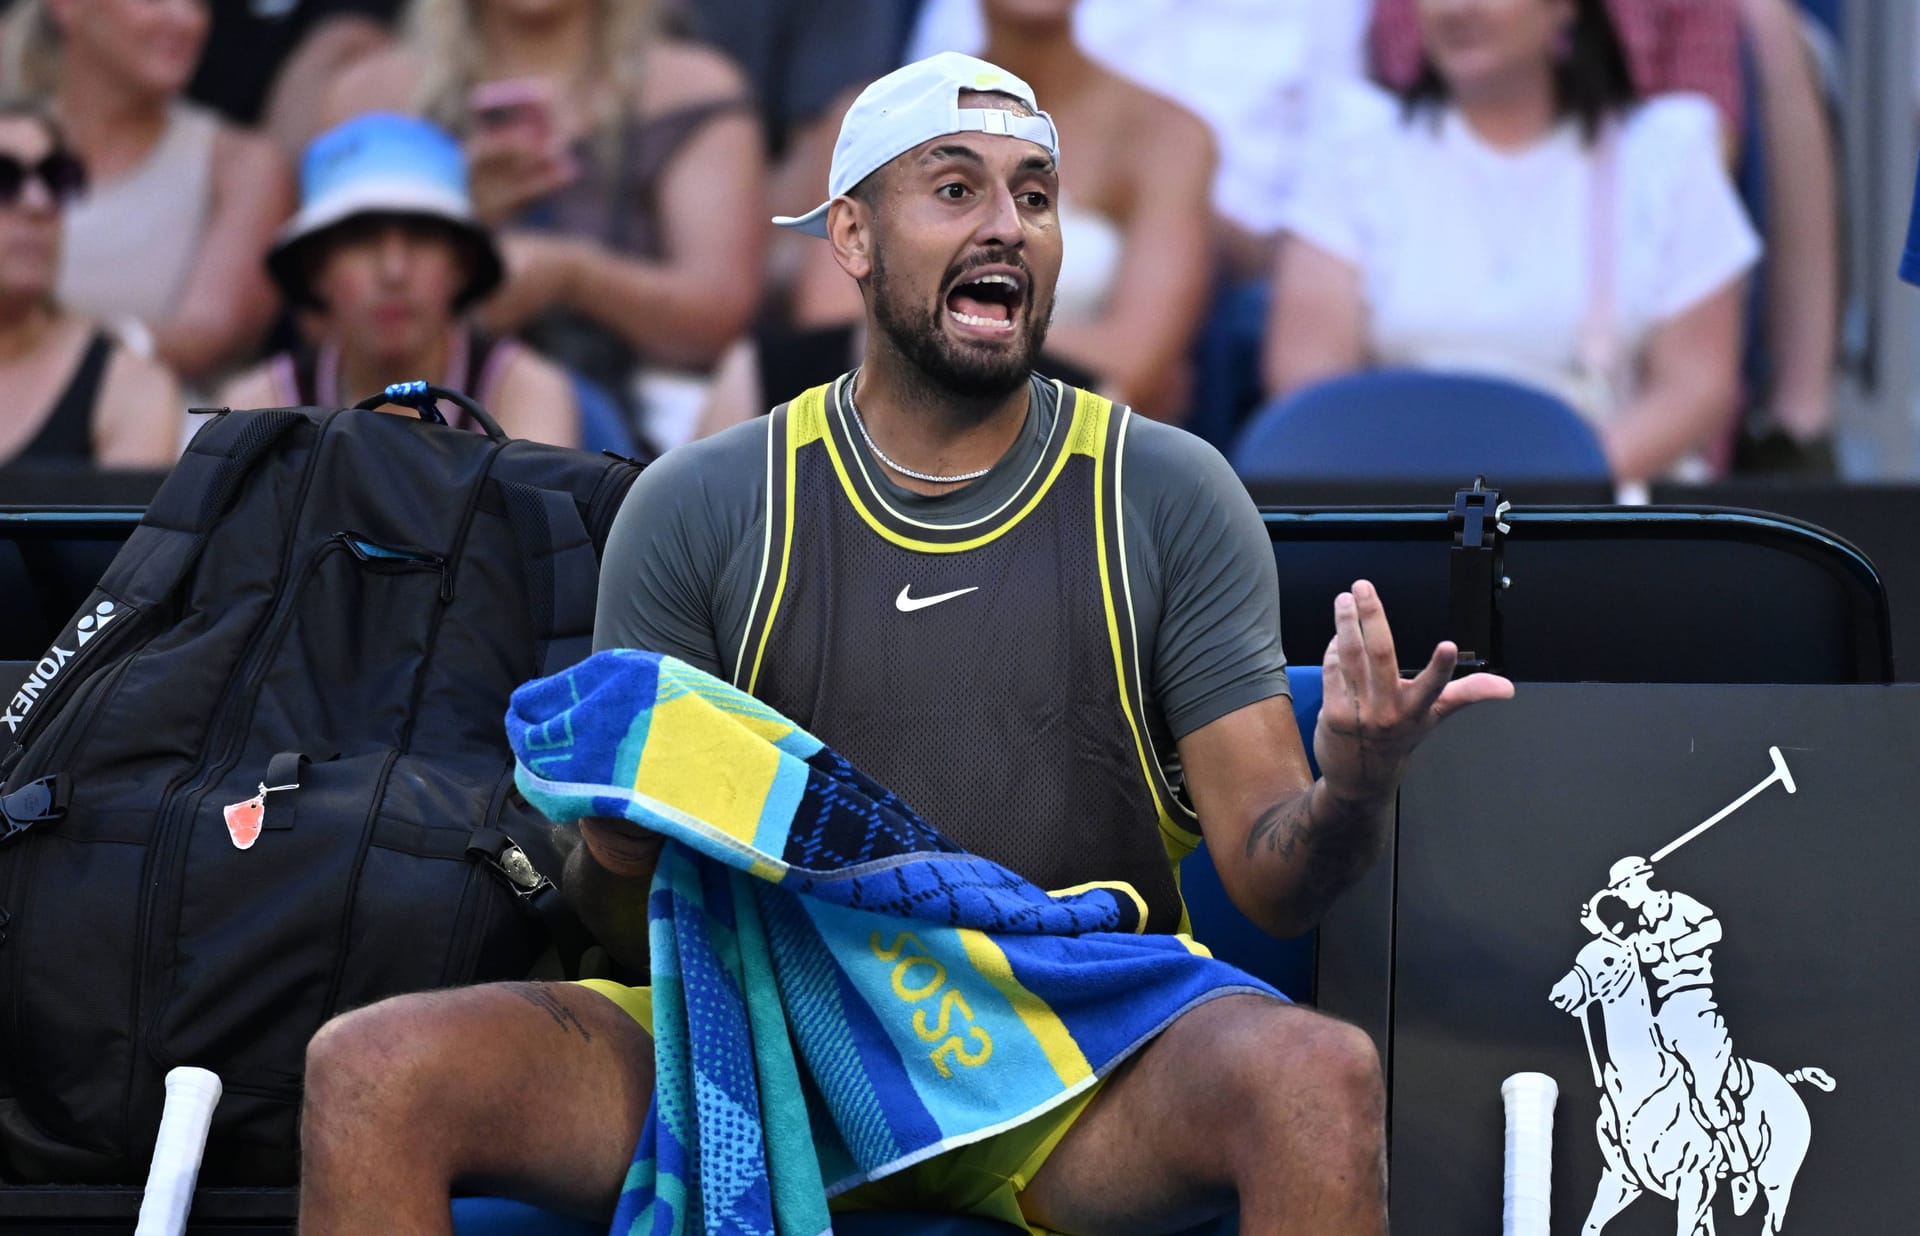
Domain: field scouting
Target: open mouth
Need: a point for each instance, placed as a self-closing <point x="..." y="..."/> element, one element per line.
<point x="987" y="301"/>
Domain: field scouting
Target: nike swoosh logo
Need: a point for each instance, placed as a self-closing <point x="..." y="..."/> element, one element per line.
<point x="907" y="604"/>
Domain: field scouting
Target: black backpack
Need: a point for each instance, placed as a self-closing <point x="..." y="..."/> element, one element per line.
<point x="340" y="600"/>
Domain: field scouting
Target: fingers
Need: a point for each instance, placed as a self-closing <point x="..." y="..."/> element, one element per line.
<point x="1432" y="680"/>
<point x="1383" y="666"/>
<point x="1349" y="647"/>
<point x="621" y="847"/>
<point x="1473" y="689"/>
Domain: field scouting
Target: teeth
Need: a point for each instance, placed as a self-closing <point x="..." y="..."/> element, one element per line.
<point x="1008" y="280"/>
<point x="971" y="320"/>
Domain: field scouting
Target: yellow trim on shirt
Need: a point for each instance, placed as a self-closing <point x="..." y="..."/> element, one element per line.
<point x="1084" y="405"/>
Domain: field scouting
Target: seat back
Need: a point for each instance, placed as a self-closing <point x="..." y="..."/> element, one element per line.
<point x="1607" y="594"/>
<point x="1411" y="425"/>
<point x="50" y="559"/>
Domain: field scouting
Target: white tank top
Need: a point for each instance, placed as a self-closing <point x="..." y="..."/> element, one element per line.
<point x="130" y="242"/>
<point x="1089" y="263"/>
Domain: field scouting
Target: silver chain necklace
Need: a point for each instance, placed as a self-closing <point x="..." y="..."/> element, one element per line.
<point x="881" y="455"/>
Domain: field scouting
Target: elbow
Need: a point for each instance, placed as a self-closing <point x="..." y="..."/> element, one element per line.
<point x="1283" y="917"/>
<point x="197" y="347"/>
<point x="701" y="337"/>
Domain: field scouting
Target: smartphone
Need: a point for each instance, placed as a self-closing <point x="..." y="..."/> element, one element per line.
<point x="524" y="105"/>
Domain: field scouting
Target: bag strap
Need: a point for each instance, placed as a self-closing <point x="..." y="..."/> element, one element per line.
<point x="504" y="856"/>
<point x="560" y="568"/>
<point x="1599" y="338"/>
<point x="36" y="802"/>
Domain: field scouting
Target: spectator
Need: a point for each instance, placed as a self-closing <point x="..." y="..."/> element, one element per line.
<point x="1257" y="71"/>
<point x="1133" y="191"/>
<point x="386" y="253"/>
<point x="1522" y="216"/>
<point x="168" y="245"/>
<point x="271" y="63"/>
<point x="1801" y="323"/>
<point x="1672" y="47"/>
<point x="627" y="167"/>
<point x="1695" y="45"/>
<point x="73" y="393"/>
<point x="801" y="55"/>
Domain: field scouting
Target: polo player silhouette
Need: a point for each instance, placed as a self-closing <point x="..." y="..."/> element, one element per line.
<point x="1672" y="935"/>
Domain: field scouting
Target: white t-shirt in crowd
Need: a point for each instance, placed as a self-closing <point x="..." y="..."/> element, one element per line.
<point x="1254" y="70"/>
<point x="1481" y="260"/>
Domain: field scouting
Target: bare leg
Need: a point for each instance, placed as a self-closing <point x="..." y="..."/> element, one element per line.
<point x="533" y="1090"/>
<point x="1803" y="228"/>
<point x="1243" y="1098"/>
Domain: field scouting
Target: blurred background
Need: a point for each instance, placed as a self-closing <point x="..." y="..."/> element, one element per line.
<point x="1680" y="221"/>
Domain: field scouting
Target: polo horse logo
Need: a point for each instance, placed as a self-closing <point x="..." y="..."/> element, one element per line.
<point x="1651" y="1135"/>
<point x="1679" y="1111"/>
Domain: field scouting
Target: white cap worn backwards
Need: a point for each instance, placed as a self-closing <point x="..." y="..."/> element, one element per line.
<point x="915" y="104"/>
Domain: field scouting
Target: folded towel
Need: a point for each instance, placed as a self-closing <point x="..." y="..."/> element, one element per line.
<point x="839" y="991"/>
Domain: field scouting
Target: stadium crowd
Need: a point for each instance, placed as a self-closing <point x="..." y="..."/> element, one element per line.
<point x="561" y="206"/>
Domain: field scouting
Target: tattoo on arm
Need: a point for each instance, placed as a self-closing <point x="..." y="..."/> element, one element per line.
<point x="1327" y="851"/>
<point x="540" y="997"/>
<point x="1282" y="828"/>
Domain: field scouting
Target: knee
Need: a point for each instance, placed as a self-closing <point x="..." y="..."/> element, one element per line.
<point x="375" y="1064"/>
<point x="1337" y="1060"/>
<point x="1304" y="1064"/>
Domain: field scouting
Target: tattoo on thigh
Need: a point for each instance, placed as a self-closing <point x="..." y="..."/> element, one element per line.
<point x="539" y="995"/>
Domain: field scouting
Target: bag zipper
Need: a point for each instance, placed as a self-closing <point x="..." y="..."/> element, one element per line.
<point x="390" y="558"/>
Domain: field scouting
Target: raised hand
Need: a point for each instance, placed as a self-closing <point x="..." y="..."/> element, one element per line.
<point x="1370" y="718"/>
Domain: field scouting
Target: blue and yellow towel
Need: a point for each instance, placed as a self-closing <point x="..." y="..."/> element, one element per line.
<point x="839" y="993"/>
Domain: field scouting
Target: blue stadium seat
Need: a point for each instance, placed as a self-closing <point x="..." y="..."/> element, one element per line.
<point x="1412" y="425"/>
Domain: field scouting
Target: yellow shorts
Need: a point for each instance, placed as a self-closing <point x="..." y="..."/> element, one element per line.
<point x="984" y="1179"/>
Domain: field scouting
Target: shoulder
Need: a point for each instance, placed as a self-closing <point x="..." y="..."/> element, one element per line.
<point x="1672" y="127"/>
<point x="380" y="81"/>
<point x="528" y="374"/>
<point x="242" y="156"/>
<point x="1182" y="458"/>
<point x="136" y="392"/>
<point x="1346" y="111"/>
<point x="135" y="377"/>
<point x="691" y="511"/>
<point x="1174" y="479"/>
<point x="1689" y="907"/>
<point x="1161" y="125"/>
<point x="1358" y="133"/>
<point x="681" y="73"/>
<point x="711" y="475"/>
<point x="254" y="388"/>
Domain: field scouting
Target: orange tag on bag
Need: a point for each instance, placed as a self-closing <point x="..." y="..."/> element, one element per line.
<point x="244" y="820"/>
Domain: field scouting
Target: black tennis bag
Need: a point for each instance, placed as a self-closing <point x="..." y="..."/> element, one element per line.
<point x="332" y="607"/>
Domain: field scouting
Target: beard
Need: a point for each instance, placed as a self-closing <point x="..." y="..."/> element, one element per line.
<point x="976" y="375"/>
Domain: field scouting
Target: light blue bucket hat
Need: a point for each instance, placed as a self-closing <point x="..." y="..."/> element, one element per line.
<point x="383" y="164"/>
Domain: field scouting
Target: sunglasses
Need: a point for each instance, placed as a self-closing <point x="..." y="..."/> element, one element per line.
<point x="64" y="176"/>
